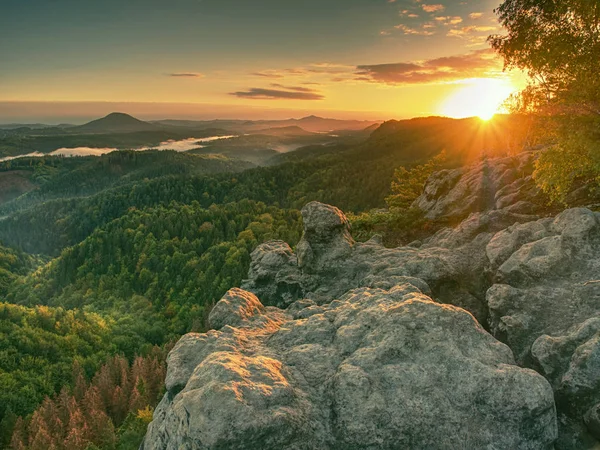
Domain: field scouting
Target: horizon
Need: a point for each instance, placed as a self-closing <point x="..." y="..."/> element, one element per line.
<point x="364" y="60"/>
<point x="81" y="120"/>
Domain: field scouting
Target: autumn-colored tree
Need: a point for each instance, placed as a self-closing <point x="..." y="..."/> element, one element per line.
<point x="117" y="402"/>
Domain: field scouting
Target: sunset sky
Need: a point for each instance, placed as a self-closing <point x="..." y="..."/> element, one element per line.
<point x="70" y="60"/>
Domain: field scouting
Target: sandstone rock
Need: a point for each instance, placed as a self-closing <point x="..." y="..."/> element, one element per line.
<point x="493" y="184"/>
<point x="372" y="369"/>
<point x="329" y="264"/>
<point x="546" y="307"/>
<point x="274" y="274"/>
<point x="326" y="237"/>
<point x="234" y="308"/>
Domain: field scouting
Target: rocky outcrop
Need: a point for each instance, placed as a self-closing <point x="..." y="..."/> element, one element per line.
<point x="373" y="369"/>
<point x="354" y="345"/>
<point x="493" y="184"/>
<point x="330" y="263"/>
<point x="546" y="307"/>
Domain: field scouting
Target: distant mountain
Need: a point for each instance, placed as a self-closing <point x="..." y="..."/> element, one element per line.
<point x="372" y="128"/>
<point x="33" y="126"/>
<point x="115" y="123"/>
<point x="320" y="124"/>
<point x="311" y="123"/>
<point x="284" y="131"/>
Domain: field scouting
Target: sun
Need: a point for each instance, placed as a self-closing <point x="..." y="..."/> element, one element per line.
<point x="478" y="97"/>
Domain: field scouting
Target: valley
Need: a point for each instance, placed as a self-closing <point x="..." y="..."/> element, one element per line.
<point x="314" y="225"/>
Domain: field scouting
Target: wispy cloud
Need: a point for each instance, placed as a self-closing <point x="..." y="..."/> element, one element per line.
<point x="475" y="15"/>
<point x="292" y="88"/>
<point x="433" y="8"/>
<point x="449" y="20"/>
<point x="424" y="31"/>
<point x="475" y="64"/>
<point x="186" y="75"/>
<point x="268" y="74"/>
<point x="460" y="32"/>
<point x="281" y="93"/>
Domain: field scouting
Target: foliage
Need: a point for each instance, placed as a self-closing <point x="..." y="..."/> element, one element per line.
<point x="37" y="348"/>
<point x="557" y="42"/>
<point x="62" y="177"/>
<point x="141" y="280"/>
<point x="111" y="411"/>
<point x="400" y="224"/>
<point x="12" y="264"/>
<point x="575" y="158"/>
<point x="407" y="185"/>
<point x="354" y="178"/>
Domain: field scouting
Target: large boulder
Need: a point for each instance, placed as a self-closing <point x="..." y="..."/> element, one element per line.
<point x="326" y="239"/>
<point x="329" y="263"/>
<point x="545" y="305"/>
<point x="377" y="369"/>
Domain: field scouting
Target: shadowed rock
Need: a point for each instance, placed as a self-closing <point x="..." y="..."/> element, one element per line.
<point x="546" y="307"/>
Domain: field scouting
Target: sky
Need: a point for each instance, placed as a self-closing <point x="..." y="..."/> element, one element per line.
<point x="70" y="60"/>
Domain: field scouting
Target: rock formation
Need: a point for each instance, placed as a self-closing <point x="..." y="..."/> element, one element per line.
<point x="493" y="184"/>
<point x="353" y="345"/>
<point x="374" y="369"/>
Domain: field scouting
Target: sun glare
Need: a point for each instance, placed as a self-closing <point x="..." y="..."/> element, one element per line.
<point x="479" y="97"/>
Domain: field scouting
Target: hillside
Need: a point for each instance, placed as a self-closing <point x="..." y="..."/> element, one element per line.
<point x="313" y="124"/>
<point x="142" y="245"/>
<point x="355" y="176"/>
<point x="115" y="123"/>
<point x="84" y="176"/>
<point x="284" y="131"/>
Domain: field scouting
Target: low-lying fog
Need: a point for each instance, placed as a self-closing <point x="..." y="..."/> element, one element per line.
<point x="182" y="145"/>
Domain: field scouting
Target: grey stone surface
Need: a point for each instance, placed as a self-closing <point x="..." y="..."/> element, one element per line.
<point x="374" y="369"/>
<point x="546" y="306"/>
<point x="330" y="263"/>
<point x="349" y="351"/>
<point x="492" y="184"/>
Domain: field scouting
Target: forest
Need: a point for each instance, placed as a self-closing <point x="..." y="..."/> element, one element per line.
<point x="106" y="261"/>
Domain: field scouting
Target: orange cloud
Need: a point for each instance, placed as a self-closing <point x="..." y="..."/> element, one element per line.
<point x="186" y="75"/>
<point x="283" y="93"/>
<point x="433" y="8"/>
<point x="480" y="63"/>
<point x="413" y="31"/>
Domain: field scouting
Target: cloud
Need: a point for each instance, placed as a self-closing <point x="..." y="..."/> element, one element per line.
<point x="414" y="31"/>
<point x="283" y="93"/>
<point x="292" y="88"/>
<point x="452" y="68"/>
<point x="433" y="8"/>
<point x="186" y="75"/>
<point x="268" y="74"/>
<point x="475" y="15"/>
<point x="449" y="20"/>
<point x="460" y="32"/>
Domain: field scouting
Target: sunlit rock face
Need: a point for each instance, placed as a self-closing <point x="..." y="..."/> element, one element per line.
<point x="372" y="369"/>
<point x="493" y="184"/>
